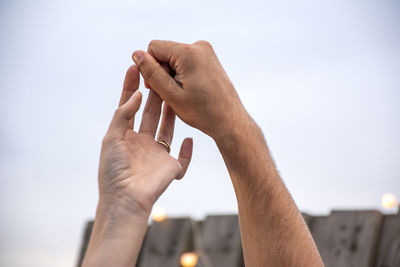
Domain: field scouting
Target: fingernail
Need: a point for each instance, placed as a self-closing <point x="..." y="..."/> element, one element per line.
<point x="138" y="57"/>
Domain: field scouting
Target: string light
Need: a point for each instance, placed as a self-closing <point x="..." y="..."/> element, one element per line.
<point x="189" y="259"/>
<point x="389" y="201"/>
<point x="158" y="214"/>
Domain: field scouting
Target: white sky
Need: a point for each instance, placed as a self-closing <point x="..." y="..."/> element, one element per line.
<point x="321" y="78"/>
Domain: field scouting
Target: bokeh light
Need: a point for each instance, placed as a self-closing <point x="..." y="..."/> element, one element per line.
<point x="189" y="259"/>
<point x="389" y="201"/>
<point x="158" y="214"/>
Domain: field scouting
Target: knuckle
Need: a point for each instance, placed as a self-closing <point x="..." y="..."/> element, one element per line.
<point x="203" y="43"/>
<point x="152" y="44"/>
<point x="188" y="50"/>
<point x="188" y="54"/>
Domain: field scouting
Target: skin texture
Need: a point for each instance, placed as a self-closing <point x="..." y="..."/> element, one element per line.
<point x="200" y="93"/>
<point x="134" y="171"/>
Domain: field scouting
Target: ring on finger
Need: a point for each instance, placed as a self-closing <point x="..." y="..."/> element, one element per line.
<point x="165" y="144"/>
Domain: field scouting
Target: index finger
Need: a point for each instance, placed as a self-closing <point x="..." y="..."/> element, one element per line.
<point x="165" y="67"/>
<point x="163" y="51"/>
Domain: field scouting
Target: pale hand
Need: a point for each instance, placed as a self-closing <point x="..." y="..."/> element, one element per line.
<point x="134" y="169"/>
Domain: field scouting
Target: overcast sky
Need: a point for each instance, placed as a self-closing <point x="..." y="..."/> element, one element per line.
<point x="321" y="78"/>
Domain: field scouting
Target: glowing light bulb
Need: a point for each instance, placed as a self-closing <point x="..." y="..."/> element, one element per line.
<point x="189" y="259"/>
<point x="158" y="214"/>
<point x="389" y="201"/>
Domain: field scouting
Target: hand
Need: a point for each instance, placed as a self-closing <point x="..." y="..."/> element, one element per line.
<point x="199" y="91"/>
<point x="134" y="169"/>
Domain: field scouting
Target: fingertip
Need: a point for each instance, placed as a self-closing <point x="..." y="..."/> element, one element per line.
<point x="185" y="156"/>
<point x="136" y="97"/>
<point x="125" y="113"/>
<point x="139" y="96"/>
<point x="133" y="77"/>
<point x="132" y="70"/>
<point x="186" y="149"/>
<point x="138" y="56"/>
<point x="189" y="142"/>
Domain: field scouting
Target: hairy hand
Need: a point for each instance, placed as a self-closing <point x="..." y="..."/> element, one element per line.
<point x="134" y="169"/>
<point x="199" y="90"/>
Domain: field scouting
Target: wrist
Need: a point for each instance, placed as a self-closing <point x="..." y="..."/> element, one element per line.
<point x="241" y="146"/>
<point x="235" y="128"/>
<point x="117" y="235"/>
<point x="122" y="207"/>
<point x="115" y="222"/>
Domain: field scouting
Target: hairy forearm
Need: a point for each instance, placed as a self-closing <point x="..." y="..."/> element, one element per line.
<point x="273" y="230"/>
<point x="117" y="236"/>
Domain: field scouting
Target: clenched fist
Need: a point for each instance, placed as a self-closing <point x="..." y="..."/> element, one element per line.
<point x="198" y="89"/>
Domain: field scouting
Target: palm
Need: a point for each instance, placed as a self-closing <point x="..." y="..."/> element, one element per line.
<point x="145" y="154"/>
<point x="138" y="166"/>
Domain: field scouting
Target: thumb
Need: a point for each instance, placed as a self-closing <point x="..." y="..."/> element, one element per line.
<point x="156" y="76"/>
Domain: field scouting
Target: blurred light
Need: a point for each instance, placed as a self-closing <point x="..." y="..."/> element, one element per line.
<point x="158" y="214"/>
<point x="389" y="201"/>
<point x="189" y="259"/>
